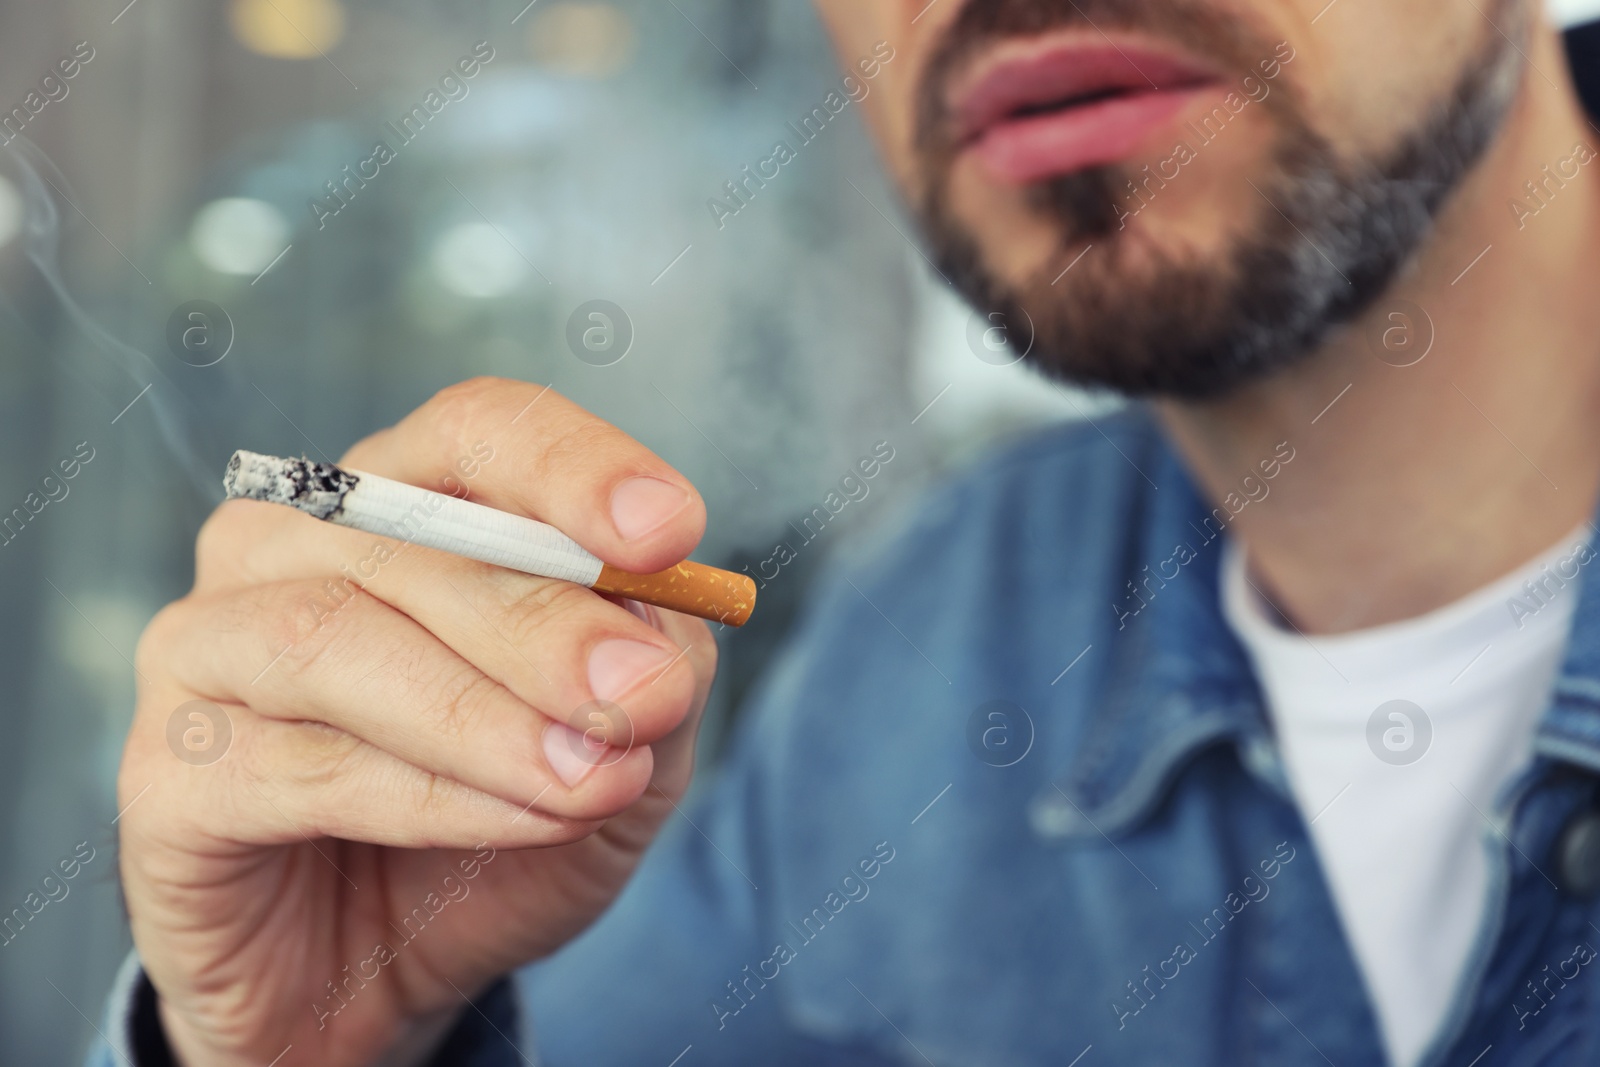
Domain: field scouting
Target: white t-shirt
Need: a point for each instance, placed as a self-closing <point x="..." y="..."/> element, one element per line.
<point x="1397" y="742"/>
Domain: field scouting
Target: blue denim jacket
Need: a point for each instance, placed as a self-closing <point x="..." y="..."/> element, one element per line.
<point x="997" y="805"/>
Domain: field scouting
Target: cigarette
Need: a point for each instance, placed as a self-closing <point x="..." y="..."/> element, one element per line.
<point x="418" y="516"/>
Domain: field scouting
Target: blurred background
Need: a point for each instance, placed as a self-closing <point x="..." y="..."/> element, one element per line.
<point x="187" y="266"/>
<point x="200" y="251"/>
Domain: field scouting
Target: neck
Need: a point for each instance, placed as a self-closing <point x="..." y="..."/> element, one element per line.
<point x="1422" y="483"/>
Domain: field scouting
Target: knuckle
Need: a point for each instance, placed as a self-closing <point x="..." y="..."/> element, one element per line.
<point x="431" y="804"/>
<point x="550" y="607"/>
<point x="433" y="799"/>
<point x="325" y="755"/>
<point x="475" y="388"/>
<point x="302" y="622"/>
<point x="577" y="448"/>
<point x="455" y="410"/>
<point x="369" y="445"/>
<point x="320" y="756"/>
<point x="149" y="654"/>
<point x="459" y="703"/>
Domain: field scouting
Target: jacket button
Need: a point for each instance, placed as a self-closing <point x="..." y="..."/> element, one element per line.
<point x="1578" y="855"/>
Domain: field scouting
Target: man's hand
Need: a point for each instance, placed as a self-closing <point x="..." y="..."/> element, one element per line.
<point x="415" y="797"/>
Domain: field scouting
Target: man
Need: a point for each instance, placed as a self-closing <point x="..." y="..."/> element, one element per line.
<point x="1260" y="724"/>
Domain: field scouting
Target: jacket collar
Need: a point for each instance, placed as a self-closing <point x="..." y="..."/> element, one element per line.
<point x="1180" y="681"/>
<point x="1570" y="729"/>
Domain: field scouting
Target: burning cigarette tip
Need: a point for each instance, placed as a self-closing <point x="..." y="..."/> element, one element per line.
<point x="317" y="489"/>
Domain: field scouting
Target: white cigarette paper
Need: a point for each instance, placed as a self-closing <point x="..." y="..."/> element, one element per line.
<point x="388" y="508"/>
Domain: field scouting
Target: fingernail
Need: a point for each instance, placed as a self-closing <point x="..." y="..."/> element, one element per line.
<point x="618" y="665"/>
<point x="641" y="506"/>
<point x="565" y="750"/>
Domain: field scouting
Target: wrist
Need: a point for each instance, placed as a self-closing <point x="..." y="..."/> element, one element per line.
<point x="159" y="1036"/>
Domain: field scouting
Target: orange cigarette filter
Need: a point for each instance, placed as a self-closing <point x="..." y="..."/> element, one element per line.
<point x="691" y="588"/>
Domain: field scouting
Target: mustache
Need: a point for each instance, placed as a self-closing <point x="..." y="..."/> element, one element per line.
<point x="1224" y="37"/>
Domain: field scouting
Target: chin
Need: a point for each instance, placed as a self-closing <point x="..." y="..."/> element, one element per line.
<point x="1146" y="309"/>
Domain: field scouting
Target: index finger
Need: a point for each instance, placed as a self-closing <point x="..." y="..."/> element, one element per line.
<point x="526" y="449"/>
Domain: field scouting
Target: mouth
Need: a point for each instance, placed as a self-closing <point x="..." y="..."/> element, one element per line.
<point x="1050" y="109"/>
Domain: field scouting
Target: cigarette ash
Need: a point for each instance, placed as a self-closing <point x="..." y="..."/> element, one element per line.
<point x="317" y="489"/>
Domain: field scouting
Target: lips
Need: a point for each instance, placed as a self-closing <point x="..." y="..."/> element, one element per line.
<point x="1067" y="106"/>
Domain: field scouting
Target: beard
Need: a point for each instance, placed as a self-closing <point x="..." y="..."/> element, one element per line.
<point x="1330" y="237"/>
